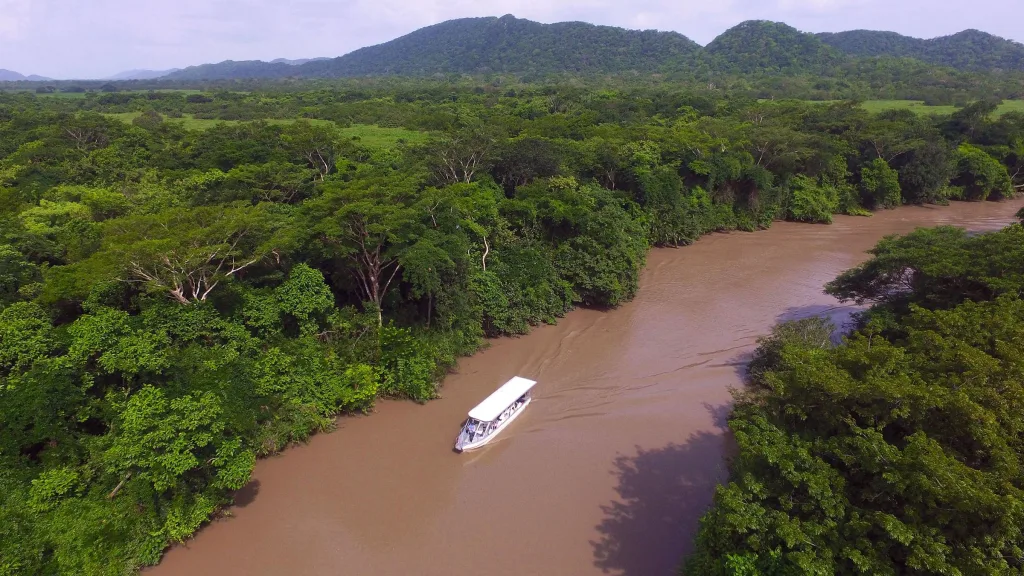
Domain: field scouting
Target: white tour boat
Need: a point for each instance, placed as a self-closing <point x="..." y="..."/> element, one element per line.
<point x="495" y="413"/>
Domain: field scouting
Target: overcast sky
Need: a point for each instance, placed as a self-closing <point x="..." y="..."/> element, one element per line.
<point x="99" y="38"/>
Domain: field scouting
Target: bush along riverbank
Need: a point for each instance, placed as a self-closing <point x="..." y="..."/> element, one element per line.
<point x="176" y="303"/>
<point x="899" y="450"/>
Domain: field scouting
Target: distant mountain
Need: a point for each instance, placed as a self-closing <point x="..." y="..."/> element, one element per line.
<point x="967" y="50"/>
<point x="511" y="45"/>
<point x="230" y="69"/>
<point x="226" y="69"/>
<point x="481" y="45"/>
<point x="11" y="76"/>
<point x="298" y="62"/>
<point x="762" y="46"/>
<point x="142" y="74"/>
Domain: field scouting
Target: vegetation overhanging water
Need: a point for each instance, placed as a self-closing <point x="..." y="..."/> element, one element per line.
<point x="178" y="302"/>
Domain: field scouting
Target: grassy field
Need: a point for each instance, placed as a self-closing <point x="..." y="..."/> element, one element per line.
<point x="67" y="95"/>
<point x="378" y="137"/>
<point x="373" y="136"/>
<point x="77" y="95"/>
<point x="918" y="107"/>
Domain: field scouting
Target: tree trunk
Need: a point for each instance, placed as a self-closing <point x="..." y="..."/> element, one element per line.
<point x="430" y="308"/>
<point x="118" y="487"/>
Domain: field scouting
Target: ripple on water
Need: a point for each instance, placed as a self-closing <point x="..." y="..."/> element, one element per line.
<point x="607" y="473"/>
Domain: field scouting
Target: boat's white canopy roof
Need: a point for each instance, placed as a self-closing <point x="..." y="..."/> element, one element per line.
<point x="503" y="397"/>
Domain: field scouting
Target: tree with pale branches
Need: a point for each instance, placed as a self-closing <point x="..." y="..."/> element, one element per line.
<point x="186" y="253"/>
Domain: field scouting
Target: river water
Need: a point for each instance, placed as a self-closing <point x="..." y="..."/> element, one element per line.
<point x="609" y="469"/>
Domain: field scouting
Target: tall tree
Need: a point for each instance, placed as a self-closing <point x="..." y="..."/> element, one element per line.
<point x="319" y="145"/>
<point x="186" y="253"/>
<point x="459" y="156"/>
<point x="369" y="223"/>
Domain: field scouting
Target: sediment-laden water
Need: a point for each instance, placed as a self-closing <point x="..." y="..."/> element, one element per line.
<point x="609" y="469"/>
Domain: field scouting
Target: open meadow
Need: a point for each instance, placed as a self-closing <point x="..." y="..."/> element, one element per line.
<point x="368" y="135"/>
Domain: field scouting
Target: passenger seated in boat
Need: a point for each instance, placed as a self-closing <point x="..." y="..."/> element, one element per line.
<point x="494" y="413"/>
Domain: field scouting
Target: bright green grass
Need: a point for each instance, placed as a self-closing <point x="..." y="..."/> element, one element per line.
<point x="125" y="117"/>
<point x="59" y="94"/>
<point x="367" y="135"/>
<point x="69" y="95"/>
<point x="918" y="107"/>
<point x="378" y="137"/>
<point x="915" y="106"/>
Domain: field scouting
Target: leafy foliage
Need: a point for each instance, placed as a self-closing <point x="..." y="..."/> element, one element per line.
<point x="942" y="266"/>
<point x="898" y="450"/>
<point x="981" y="175"/>
<point x="812" y="202"/>
<point x="880" y="185"/>
<point x="177" y="302"/>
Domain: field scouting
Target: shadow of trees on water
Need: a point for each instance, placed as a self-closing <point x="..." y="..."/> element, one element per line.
<point x="662" y="495"/>
<point x="247" y="495"/>
<point x="842" y="315"/>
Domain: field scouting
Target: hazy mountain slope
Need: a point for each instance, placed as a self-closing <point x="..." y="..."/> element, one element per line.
<point x="231" y="69"/>
<point x="142" y="74"/>
<point x="298" y="62"/>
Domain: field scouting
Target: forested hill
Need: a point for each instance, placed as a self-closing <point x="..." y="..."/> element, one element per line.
<point x="967" y="50"/>
<point x="510" y="45"/>
<point x="482" y="45"/>
<point x="759" y="45"/>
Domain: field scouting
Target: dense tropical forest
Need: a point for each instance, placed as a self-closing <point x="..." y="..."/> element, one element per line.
<point x="192" y="280"/>
<point x="897" y="451"/>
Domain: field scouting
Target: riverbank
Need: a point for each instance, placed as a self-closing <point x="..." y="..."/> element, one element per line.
<point x="884" y="453"/>
<point x="623" y="445"/>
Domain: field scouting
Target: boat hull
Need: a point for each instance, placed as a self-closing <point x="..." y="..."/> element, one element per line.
<point x="486" y="440"/>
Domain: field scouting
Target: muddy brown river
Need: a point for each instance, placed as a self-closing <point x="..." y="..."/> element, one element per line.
<point x="609" y="469"/>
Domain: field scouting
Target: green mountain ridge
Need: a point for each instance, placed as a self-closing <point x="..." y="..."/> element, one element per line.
<point x="482" y="45"/>
<point x="967" y="50"/>
<point x="510" y="45"/>
<point x="760" y="45"/>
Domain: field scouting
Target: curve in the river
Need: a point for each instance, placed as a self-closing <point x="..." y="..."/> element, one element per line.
<point x="608" y="470"/>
